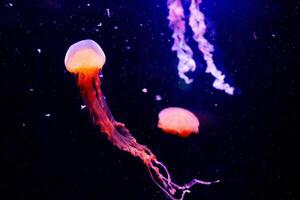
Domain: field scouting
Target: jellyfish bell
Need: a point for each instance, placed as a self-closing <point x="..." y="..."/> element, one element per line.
<point x="178" y="121"/>
<point x="84" y="56"/>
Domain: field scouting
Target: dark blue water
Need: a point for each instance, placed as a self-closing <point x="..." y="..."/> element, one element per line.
<point x="51" y="150"/>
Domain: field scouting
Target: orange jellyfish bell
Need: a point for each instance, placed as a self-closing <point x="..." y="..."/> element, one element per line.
<point x="178" y="121"/>
<point x="85" y="56"/>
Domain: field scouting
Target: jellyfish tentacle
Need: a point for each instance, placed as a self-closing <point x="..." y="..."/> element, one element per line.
<point x="120" y="136"/>
<point x="169" y="187"/>
<point x="183" y="50"/>
<point x="198" y="26"/>
<point x="100" y="97"/>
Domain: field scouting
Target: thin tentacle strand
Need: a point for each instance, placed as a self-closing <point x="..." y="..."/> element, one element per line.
<point x="119" y="135"/>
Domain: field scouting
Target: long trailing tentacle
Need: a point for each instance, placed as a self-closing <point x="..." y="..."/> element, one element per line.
<point x="183" y="50"/>
<point x="198" y="26"/>
<point x="121" y="137"/>
<point x="166" y="184"/>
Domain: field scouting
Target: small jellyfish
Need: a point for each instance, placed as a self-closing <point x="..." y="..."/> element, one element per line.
<point x="178" y="121"/>
<point x="85" y="59"/>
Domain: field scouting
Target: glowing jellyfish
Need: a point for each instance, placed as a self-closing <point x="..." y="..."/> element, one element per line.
<point x="178" y="121"/>
<point x="85" y="59"/>
<point x="184" y="52"/>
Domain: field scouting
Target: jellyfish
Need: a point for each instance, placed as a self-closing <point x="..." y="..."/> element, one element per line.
<point x="85" y="59"/>
<point x="184" y="52"/>
<point x="178" y="121"/>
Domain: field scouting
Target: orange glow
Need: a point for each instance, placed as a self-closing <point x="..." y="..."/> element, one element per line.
<point x="84" y="57"/>
<point x="178" y="121"/>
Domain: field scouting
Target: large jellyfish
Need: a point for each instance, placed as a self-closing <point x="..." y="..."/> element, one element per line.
<point x="184" y="52"/>
<point x="178" y="121"/>
<point x="85" y="59"/>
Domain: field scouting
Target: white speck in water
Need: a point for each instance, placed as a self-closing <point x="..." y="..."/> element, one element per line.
<point x="47" y="114"/>
<point x="116" y="27"/>
<point x="108" y="12"/>
<point x="144" y="90"/>
<point x="39" y="51"/>
<point x="82" y="107"/>
<point x="100" y="24"/>
<point x="273" y="35"/>
<point x="23" y="124"/>
<point x="31" y="89"/>
<point x="158" y="98"/>
<point x="11" y="4"/>
<point x="88" y="4"/>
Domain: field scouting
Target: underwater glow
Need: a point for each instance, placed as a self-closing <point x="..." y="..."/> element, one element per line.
<point x="85" y="59"/>
<point x="178" y="121"/>
<point x="184" y="52"/>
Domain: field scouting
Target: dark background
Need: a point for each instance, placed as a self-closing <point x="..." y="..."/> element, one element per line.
<point x="51" y="150"/>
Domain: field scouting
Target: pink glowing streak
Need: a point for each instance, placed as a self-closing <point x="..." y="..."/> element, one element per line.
<point x="184" y="52"/>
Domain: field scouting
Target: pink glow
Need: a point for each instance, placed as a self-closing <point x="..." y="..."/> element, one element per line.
<point x="184" y="52"/>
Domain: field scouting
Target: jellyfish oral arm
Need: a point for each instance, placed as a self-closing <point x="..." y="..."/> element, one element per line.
<point x="184" y="52"/>
<point x="120" y="136"/>
<point x="197" y="24"/>
<point x="89" y="87"/>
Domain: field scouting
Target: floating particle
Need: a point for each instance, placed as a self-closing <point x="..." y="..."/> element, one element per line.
<point x="254" y="35"/>
<point x="47" y="114"/>
<point x="158" y="98"/>
<point x="144" y="90"/>
<point x="82" y="107"/>
<point x="39" y="51"/>
<point x="108" y="12"/>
